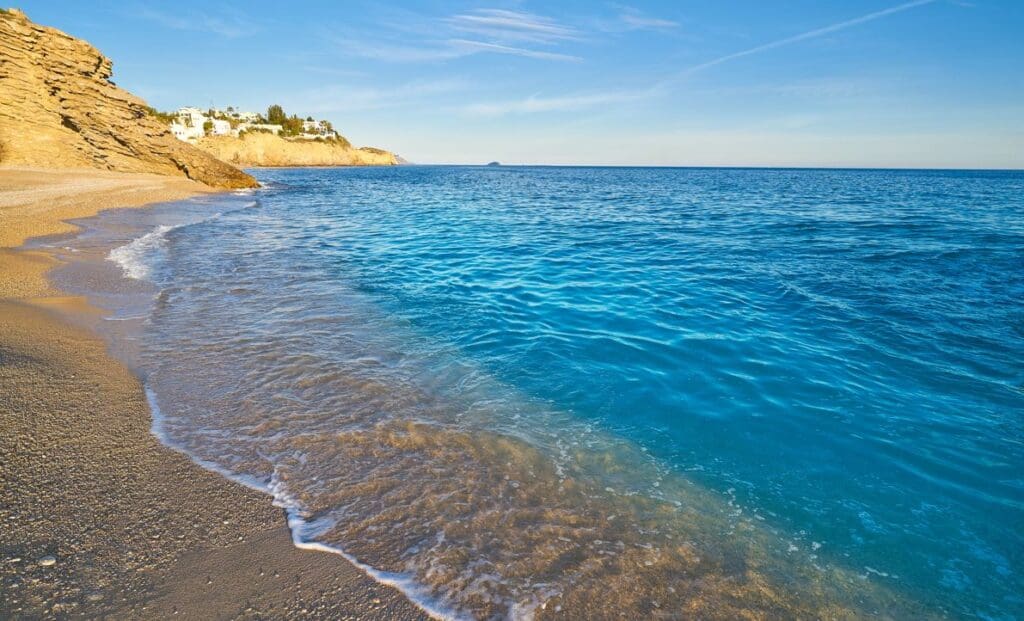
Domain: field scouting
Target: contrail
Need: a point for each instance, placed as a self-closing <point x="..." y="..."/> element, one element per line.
<point x="539" y="104"/>
<point x="810" y="34"/>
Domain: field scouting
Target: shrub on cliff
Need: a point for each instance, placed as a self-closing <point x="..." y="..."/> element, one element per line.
<point x="164" y="117"/>
<point x="276" y="115"/>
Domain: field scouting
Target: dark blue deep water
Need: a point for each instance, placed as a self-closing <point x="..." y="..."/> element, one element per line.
<point x="830" y="361"/>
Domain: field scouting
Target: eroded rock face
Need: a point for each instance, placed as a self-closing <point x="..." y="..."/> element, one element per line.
<point x="256" y="149"/>
<point x="59" y="109"/>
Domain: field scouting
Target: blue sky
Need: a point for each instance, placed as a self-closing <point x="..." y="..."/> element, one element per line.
<point x="925" y="83"/>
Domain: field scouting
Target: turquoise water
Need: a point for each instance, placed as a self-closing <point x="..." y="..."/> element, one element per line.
<point x="526" y="391"/>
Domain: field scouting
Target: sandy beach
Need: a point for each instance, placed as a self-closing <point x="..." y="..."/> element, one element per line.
<point x="98" y="518"/>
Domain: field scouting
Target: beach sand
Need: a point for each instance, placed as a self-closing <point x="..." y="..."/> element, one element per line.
<point x="97" y="518"/>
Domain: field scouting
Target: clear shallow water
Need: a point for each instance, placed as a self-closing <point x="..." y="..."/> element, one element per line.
<point x="576" y="391"/>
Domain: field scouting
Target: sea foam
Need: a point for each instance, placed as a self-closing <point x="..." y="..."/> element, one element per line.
<point x="137" y="256"/>
<point x="303" y="532"/>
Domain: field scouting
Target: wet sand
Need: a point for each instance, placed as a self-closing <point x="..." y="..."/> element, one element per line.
<point x="97" y="518"/>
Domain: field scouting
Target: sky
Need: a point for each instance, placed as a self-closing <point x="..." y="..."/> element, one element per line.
<point x="860" y="83"/>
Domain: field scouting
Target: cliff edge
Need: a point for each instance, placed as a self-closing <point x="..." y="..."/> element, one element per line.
<point x="59" y="109"/>
<point x="262" y="149"/>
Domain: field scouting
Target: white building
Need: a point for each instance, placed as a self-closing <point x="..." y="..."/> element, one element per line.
<point x="180" y="131"/>
<point x="317" y="129"/>
<point x="186" y="132"/>
<point x="191" y="116"/>
<point x="220" y="128"/>
<point x="188" y="124"/>
<point x="238" y="115"/>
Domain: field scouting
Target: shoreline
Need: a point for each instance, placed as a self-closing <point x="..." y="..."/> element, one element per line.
<point x="101" y="518"/>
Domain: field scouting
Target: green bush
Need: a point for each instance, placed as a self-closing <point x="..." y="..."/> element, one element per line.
<point x="163" y="117"/>
<point x="276" y="115"/>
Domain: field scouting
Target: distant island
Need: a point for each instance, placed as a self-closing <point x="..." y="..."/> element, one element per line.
<point x="494" y="163"/>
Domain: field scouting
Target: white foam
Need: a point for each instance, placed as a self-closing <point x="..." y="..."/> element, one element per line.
<point x="136" y="259"/>
<point x="302" y="531"/>
<point x="134" y="256"/>
<point x="138" y="256"/>
<point x="417" y="593"/>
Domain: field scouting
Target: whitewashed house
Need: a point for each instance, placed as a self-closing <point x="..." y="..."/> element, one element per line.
<point x="180" y="131"/>
<point x="238" y="115"/>
<point x="316" y="129"/>
<point x="191" y="117"/>
<point x="220" y="128"/>
<point x="188" y="124"/>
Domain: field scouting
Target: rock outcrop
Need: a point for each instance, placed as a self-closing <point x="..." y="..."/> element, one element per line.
<point x="262" y="149"/>
<point x="59" y="109"/>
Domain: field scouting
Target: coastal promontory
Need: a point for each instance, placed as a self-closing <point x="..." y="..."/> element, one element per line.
<point x="266" y="149"/>
<point x="60" y="109"/>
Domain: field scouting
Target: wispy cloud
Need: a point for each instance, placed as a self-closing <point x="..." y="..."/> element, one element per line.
<point x="442" y="50"/>
<point x="481" y="31"/>
<point x="471" y="47"/>
<point x="376" y="50"/>
<point x="504" y="25"/>
<point x="536" y="103"/>
<point x="625" y="19"/>
<point x="810" y="34"/>
<point x="225" y="25"/>
<point x="347" y="98"/>
<point x="633" y="19"/>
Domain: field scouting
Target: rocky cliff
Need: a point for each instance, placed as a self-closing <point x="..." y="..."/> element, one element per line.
<point x="260" y="149"/>
<point x="59" y="109"/>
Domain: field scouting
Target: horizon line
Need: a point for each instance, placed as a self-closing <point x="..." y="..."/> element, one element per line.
<point x="695" y="166"/>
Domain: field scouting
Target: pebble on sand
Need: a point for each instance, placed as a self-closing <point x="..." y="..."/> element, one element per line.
<point x="48" y="560"/>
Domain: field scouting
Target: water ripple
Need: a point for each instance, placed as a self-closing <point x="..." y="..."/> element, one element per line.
<point x="699" y="392"/>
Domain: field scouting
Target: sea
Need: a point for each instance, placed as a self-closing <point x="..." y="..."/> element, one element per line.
<point x="639" y="393"/>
